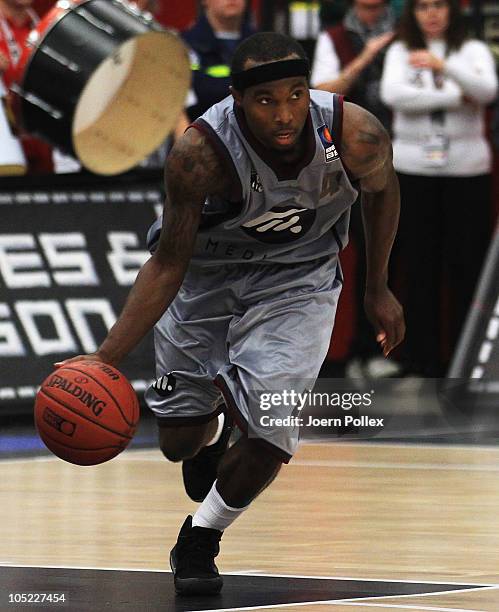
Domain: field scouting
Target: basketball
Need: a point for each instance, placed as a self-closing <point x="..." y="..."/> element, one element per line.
<point x="86" y="412"/>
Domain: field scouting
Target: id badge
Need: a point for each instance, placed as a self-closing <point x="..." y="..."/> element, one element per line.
<point x="436" y="151"/>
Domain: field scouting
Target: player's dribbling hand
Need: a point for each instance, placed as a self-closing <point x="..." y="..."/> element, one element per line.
<point x="387" y="317"/>
<point x="90" y="357"/>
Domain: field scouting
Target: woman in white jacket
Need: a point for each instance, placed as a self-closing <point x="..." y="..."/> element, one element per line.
<point x="438" y="82"/>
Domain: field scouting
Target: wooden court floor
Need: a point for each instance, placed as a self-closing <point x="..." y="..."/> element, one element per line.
<point x="363" y="512"/>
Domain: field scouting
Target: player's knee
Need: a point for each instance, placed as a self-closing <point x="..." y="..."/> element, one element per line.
<point x="175" y="452"/>
<point x="177" y="447"/>
<point x="172" y="454"/>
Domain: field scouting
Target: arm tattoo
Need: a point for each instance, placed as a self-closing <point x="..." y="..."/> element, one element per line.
<point x="369" y="137"/>
<point x="367" y="160"/>
<point x="365" y="145"/>
<point x="193" y="171"/>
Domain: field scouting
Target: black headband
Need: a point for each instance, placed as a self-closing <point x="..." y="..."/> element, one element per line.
<point x="270" y="72"/>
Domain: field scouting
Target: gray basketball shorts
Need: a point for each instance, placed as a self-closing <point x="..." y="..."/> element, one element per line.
<point x="242" y="333"/>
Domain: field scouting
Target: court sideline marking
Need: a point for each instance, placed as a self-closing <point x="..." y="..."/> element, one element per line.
<point x="367" y="601"/>
<point x="479" y="585"/>
<point x="349" y="603"/>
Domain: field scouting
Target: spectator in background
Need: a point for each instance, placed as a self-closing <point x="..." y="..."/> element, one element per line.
<point x="438" y="81"/>
<point x="212" y="40"/>
<point x="17" y="18"/>
<point x="348" y="59"/>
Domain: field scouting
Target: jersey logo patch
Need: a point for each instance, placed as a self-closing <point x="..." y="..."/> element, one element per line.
<point x="330" y="152"/>
<point x="165" y="385"/>
<point x="280" y="225"/>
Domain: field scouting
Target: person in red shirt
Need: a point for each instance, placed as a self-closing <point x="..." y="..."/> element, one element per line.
<point x="17" y="18"/>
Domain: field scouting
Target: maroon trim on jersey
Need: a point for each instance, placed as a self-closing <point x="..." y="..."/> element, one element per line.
<point x="236" y="189"/>
<point x="337" y="127"/>
<point x="283" y="170"/>
<point x="337" y="131"/>
<point x="241" y="422"/>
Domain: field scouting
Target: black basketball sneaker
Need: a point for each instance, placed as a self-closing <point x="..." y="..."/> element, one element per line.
<point x="200" y="472"/>
<point x="192" y="560"/>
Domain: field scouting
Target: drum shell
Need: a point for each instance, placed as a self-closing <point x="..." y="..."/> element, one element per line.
<point x="91" y="32"/>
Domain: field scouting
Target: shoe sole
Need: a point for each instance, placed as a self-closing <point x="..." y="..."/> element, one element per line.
<point x="196" y="586"/>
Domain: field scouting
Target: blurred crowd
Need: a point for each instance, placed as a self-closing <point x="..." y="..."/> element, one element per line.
<point x="433" y="86"/>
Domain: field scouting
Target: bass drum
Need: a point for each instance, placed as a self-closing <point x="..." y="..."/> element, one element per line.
<point x="101" y="81"/>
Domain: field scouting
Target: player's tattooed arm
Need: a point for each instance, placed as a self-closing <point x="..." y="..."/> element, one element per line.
<point x="367" y="153"/>
<point x="192" y="172"/>
<point x="366" y="148"/>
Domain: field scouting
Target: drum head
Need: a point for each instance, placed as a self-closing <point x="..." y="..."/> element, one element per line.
<point x="131" y="103"/>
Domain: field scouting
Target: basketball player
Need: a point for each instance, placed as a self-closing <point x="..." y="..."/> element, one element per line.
<point x="244" y="279"/>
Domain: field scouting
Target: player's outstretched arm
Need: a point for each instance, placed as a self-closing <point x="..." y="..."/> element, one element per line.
<point x="192" y="172"/>
<point x="367" y="152"/>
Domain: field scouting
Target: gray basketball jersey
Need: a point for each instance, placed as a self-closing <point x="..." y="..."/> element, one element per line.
<point x="275" y="215"/>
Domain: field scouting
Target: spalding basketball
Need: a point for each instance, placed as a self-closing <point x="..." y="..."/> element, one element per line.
<point x="86" y="412"/>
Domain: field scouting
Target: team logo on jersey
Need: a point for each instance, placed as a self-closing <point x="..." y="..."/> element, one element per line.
<point x="280" y="225"/>
<point x="330" y="152"/>
<point x="165" y="385"/>
<point x="256" y="183"/>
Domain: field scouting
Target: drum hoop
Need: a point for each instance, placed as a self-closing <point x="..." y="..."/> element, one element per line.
<point x="35" y="46"/>
<point x="63" y="12"/>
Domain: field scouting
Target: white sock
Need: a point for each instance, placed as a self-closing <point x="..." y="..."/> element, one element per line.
<point x="214" y="513"/>
<point x="218" y="433"/>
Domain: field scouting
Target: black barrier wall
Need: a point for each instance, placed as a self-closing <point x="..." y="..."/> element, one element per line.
<point x="70" y="248"/>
